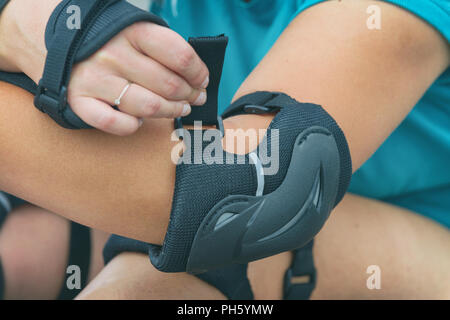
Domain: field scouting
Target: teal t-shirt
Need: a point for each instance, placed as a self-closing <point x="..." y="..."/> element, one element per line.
<point x="412" y="168"/>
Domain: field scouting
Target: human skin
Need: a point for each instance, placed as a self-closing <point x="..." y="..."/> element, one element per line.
<point x="117" y="185"/>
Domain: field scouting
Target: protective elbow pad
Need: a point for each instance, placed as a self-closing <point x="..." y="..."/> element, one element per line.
<point x="225" y="213"/>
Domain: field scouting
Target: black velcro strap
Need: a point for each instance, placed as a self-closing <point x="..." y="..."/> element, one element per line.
<point x="264" y="102"/>
<point x="100" y="20"/>
<point x="212" y="51"/>
<point x="259" y="102"/>
<point x="20" y="80"/>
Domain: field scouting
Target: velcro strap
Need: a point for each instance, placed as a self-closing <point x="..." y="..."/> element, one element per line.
<point x="76" y="30"/>
<point x="212" y="51"/>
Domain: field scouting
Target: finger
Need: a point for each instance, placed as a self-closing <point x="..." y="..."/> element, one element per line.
<point x="102" y="116"/>
<point x="143" y="103"/>
<point x="155" y="77"/>
<point x="136" y="100"/>
<point x="170" y="49"/>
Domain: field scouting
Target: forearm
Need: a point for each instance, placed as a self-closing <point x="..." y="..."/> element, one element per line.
<point x="122" y="185"/>
<point x="22" y="29"/>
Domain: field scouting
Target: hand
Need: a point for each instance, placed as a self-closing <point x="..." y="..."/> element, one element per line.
<point x="165" y="74"/>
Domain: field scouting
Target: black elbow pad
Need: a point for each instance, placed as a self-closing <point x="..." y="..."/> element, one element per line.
<point x="224" y="213"/>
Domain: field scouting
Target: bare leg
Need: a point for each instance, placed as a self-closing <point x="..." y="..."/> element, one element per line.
<point x="34" y="245"/>
<point x="132" y="276"/>
<point x="411" y="251"/>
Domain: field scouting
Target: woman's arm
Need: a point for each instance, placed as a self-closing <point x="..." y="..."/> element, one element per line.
<point x="367" y="80"/>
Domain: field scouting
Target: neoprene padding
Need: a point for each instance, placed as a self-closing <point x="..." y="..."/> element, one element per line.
<point x="261" y="102"/>
<point x="204" y="192"/>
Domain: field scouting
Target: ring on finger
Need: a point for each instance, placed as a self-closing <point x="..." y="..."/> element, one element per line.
<point x="125" y="89"/>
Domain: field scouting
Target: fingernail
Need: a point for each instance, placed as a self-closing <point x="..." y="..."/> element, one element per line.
<point x="205" y="83"/>
<point x="141" y="122"/>
<point x="186" y="110"/>
<point x="201" y="99"/>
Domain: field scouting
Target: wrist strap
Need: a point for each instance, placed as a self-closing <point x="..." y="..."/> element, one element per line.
<point x="51" y="96"/>
<point x="68" y="43"/>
